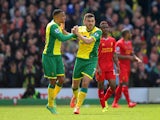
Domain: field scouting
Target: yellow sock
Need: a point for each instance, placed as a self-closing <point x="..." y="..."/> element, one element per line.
<point x="57" y="90"/>
<point x="50" y="95"/>
<point x="80" y="99"/>
<point x="75" y="92"/>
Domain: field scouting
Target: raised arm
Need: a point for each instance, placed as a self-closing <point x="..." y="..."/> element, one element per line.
<point x="60" y="36"/>
<point x="89" y="40"/>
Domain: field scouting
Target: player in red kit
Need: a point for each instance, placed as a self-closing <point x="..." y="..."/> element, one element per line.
<point x="105" y="67"/>
<point x="125" y="55"/>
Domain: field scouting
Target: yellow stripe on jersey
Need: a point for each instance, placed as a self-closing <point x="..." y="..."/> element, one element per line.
<point x="47" y="36"/>
<point x="57" y="47"/>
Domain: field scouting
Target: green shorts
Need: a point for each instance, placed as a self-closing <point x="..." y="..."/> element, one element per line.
<point x="84" y="67"/>
<point x="53" y="66"/>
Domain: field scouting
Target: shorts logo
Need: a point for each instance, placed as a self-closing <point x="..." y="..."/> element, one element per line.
<point x="52" y="73"/>
<point x="94" y="71"/>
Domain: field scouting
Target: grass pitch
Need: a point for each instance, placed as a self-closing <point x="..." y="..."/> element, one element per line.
<point x="88" y="112"/>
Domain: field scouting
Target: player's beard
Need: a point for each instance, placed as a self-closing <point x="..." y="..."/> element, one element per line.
<point x="90" y="27"/>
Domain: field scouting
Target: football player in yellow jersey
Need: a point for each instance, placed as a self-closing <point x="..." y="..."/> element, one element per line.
<point x="51" y="57"/>
<point x="86" y="60"/>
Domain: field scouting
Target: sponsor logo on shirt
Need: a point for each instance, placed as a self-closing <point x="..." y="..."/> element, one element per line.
<point x="104" y="50"/>
<point x="128" y="52"/>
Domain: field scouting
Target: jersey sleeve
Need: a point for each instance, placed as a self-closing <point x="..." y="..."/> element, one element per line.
<point x="118" y="48"/>
<point x="59" y="35"/>
<point x="114" y="45"/>
<point x="97" y="35"/>
<point x="100" y="47"/>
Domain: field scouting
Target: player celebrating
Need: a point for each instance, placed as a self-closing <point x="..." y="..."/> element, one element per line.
<point x="51" y="57"/>
<point x="105" y="67"/>
<point x="86" y="61"/>
<point x="125" y="55"/>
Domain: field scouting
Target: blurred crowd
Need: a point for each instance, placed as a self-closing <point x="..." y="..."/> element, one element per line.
<point x="22" y="36"/>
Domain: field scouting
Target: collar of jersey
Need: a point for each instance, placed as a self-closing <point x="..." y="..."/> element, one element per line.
<point x="90" y="30"/>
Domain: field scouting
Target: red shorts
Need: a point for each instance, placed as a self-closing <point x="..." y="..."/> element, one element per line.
<point x="105" y="76"/>
<point x="124" y="75"/>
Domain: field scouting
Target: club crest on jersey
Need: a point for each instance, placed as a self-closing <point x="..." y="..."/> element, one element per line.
<point x="111" y="43"/>
<point x="52" y="73"/>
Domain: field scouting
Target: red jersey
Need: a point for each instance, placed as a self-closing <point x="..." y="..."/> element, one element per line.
<point x="105" y="53"/>
<point x="124" y="48"/>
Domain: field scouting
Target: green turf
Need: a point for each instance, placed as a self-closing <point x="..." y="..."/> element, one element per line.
<point x="92" y="112"/>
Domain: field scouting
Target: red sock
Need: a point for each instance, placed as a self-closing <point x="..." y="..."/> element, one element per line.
<point x="126" y="93"/>
<point x="101" y="97"/>
<point x="108" y="93"/>
<point x="118" y="94"/>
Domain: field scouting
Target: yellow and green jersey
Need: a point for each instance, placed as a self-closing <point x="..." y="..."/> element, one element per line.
<point x="54" y="37"/>
<point x="87" y="51"/>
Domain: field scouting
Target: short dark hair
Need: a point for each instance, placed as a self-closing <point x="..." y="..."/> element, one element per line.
<point x="56" y="12"/>
<point x="110" y="22"/>
<point x="88" y="15"/>
<point x="102" y="23"/>
<point x="124" y="32"/>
